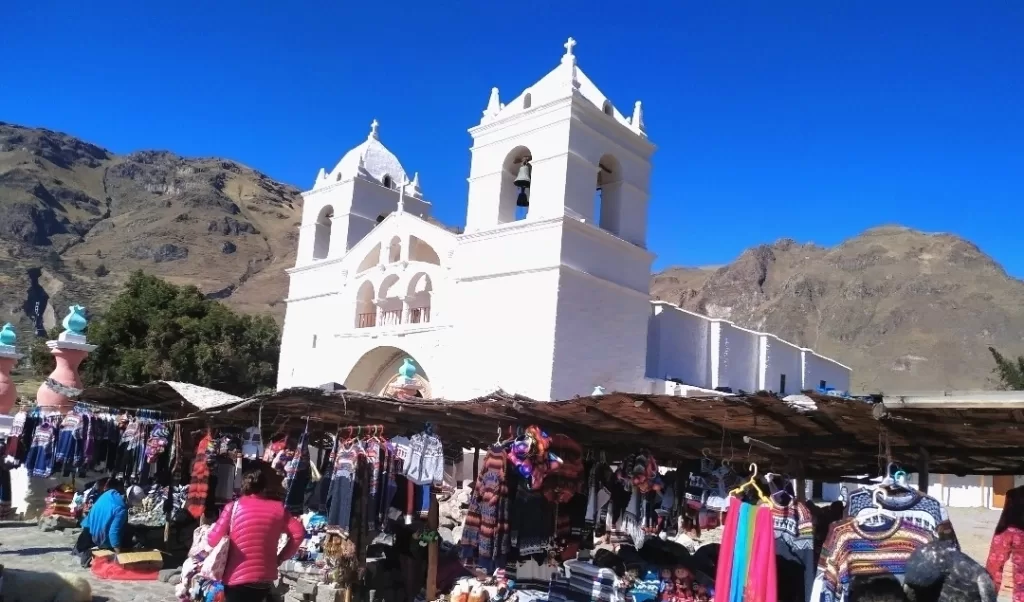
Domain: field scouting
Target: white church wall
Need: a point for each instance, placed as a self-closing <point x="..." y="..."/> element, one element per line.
<point x="589" y="249"/>
<point x="602" y="342"/>
<point x="779" y="360"/>
<point x="504" y="335"/>
<point x="678" y="345"/>
<point x="737" y="357"/>
<point x="817" y="368"/>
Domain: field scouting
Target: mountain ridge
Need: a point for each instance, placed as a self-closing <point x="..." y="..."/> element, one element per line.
<point x="906" y="310"/>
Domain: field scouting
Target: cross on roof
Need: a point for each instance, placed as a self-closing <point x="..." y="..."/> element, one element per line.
<point x="569" y="46"/>
<point x="373" y="128"/>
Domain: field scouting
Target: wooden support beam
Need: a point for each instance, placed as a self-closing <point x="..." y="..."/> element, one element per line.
<point x="433" y="549"/>
<point x="923" y="471"/>
<point x="693" y="426"/>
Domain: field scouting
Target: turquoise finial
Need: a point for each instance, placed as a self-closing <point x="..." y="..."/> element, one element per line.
<point x="75" y="322"/>
<point x="407" y="370"/>
<point x="7" y="335"/>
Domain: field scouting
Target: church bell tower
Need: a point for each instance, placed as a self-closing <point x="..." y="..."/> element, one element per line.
<point x="553" y="261"/>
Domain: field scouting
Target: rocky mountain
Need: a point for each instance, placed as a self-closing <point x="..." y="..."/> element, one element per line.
<point x="76" y="219"/>
<point x="908" y="311"/>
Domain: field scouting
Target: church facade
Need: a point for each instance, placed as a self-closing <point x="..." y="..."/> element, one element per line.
<point x="544" y="294"/>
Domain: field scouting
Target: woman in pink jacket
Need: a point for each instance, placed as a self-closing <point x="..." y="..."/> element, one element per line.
<point x="254" y="530"/>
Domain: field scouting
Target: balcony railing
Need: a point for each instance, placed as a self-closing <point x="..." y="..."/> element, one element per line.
<point x="419" y="315"/>
<point x="393" y="317"/>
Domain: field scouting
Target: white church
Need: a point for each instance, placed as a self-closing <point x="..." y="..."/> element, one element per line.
<point x="544" y="294"/>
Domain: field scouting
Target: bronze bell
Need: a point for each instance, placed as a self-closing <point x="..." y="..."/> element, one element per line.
<point x="523" y="183"/>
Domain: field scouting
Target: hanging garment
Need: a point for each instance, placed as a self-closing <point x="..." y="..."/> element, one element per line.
<point x="918" y="508"/>
<point x="723" y="573"/>
<point x="5" y="493"/>
<point x="852" y="550"/>
<point x="762" y="584"/>
<point x="39" y="461"/>
<point x="199" y="487"/>
<point x="425" y="464"/>
<point x="485" y="537"/>
<point x="793" y="527"/>
<point x="741" y="554"/>
<point x="343" y="480"/>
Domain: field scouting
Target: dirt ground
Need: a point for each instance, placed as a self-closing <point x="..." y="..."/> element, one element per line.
<point x="974" y="528"/>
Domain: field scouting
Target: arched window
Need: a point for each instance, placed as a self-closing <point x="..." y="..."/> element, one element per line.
<point x="528" y="101"/>
<point x="372" y="258"/>
<point x="395" y="250"/>
<point x="608" y="194"/>
<point x="419" y="295"/>
<point x="421" y="251"/>
<point x="514" y="200"/>
<point x="322" y="235"/>
<point x="366" y="311"/>
<point x="607" y="108"/>
<point x="387" y="182"/>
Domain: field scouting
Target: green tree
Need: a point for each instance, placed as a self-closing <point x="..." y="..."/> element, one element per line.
<point x="155" y="330"/>
<point x="1010" y="372"/>
<point x="42" y="360"/>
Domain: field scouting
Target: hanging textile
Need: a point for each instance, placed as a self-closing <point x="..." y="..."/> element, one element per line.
<point x="852" y="549"/>
<point x="1008" y="543"/>
<point x="486" y="538"/>
<point x="199" y="487"/>
<point x="908" y="504"/>
<point x="793" y="526"/>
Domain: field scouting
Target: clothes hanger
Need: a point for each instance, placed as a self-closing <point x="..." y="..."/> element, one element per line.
<point x="752" y="482"/>
<point x="877" y="495"/>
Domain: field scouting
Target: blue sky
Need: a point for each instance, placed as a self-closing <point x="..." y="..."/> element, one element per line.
<point x="806" y="119"/>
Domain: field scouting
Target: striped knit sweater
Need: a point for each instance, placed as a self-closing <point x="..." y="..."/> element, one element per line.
<point x="853" y="550"/>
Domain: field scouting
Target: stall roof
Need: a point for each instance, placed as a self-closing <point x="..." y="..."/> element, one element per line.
<point x="164" y="395"/>
<point x="830" y="436"/>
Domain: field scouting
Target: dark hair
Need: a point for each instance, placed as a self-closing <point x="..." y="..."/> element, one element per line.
<point x="1013" y="511"/>
<point x="115" y="485"/>
<point x="254" y="482"/>
<point x="882" y="588"/>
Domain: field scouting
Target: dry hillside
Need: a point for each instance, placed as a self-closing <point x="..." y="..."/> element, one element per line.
<point x="76" y="219"/>
<point x="908" y="311"/>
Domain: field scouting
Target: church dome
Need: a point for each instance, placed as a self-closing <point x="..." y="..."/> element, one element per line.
<point x="372" y="159"/>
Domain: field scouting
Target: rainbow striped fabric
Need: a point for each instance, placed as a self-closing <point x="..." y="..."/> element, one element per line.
<point x="852" y="549"/>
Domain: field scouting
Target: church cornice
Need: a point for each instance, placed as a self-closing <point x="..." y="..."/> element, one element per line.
<point x="510" y="228"/>
<point x="517" y="118"/>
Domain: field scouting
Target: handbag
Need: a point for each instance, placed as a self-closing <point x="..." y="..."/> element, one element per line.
<point x="215" y="563"/>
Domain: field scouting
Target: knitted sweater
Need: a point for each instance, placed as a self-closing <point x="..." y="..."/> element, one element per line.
<point x="794" y="548"/>
<point x="852" y="550"/>
<point x="425" y="465"/>
<point x="922" y="510"/>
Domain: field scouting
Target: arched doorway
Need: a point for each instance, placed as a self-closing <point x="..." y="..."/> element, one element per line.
<point x="377" y="372"/>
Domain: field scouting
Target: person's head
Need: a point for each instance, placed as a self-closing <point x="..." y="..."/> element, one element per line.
<point x="135" y="495"/>
<point x="259" y="478"/>
<point x="115" y="485"/>
<point x="883" y="588"/>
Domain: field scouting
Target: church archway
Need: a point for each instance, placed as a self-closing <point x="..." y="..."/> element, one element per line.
<point x="322" y="236"/>
<point x="509" y="195"/>
<point x="377" y="372"/>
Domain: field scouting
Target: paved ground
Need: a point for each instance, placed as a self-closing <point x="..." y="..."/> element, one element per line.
<point x="24" y="546"/>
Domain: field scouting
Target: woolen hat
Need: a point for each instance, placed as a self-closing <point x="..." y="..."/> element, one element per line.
<point x="938" y="572"/>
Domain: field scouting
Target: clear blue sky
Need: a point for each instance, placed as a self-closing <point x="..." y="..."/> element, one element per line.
<point x="806" y="119"/>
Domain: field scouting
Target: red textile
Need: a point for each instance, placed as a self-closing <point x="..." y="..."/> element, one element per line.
<point x="199" y="487"/>
<point x="107" y="568"/>
<point x="762" y="580"/>
<point x="254" y="534"/>
<point x="723" y="576"/>
<point x="1008" y="546"/>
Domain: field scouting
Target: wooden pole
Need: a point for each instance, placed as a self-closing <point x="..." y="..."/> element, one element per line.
<point x="923" y="472"/>
<point x="476" y="464"/>
<point x="801" y="483"/>
<point x="433" y="549"/>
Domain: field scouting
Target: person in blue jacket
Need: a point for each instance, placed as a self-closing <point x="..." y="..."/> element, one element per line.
<point x="106" y="525"/>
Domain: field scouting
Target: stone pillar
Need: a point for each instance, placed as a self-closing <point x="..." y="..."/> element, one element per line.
<point x="61" y="388"/>
<point x="8" y="358"/>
